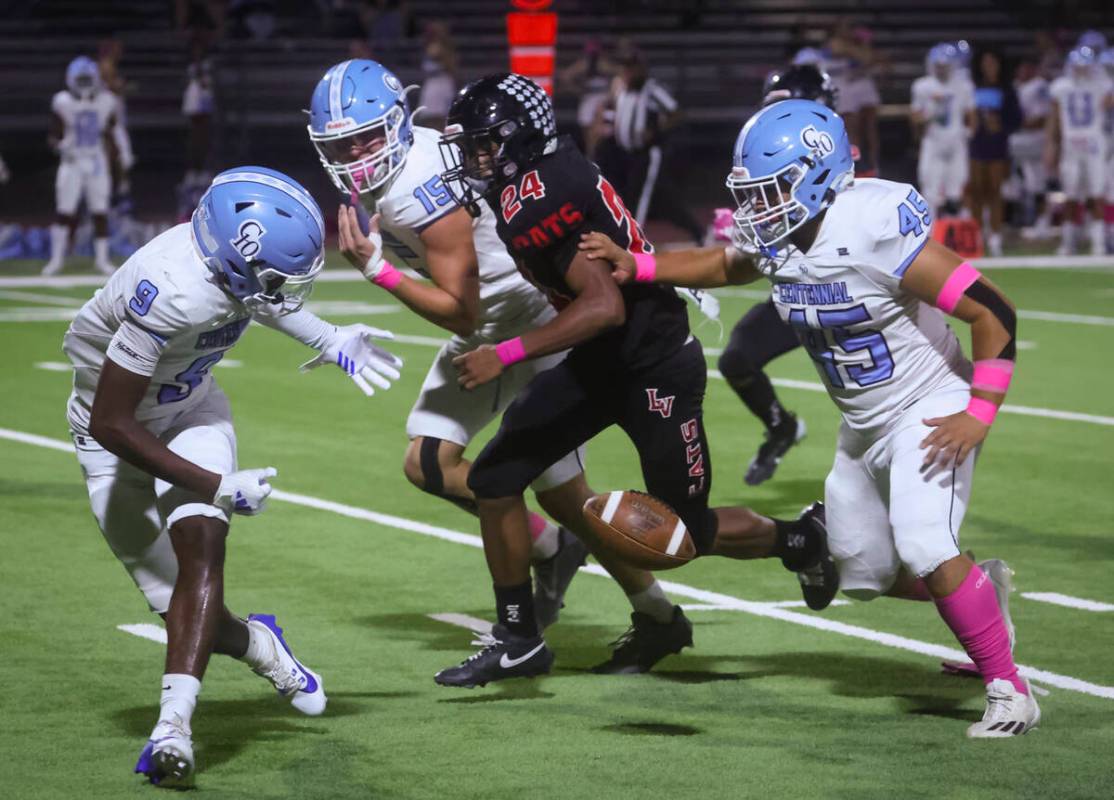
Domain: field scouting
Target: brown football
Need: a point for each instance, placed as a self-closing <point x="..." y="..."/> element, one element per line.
<point x="640" y="529"/>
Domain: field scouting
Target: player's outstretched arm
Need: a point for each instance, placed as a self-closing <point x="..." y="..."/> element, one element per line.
<point x="453" y="301"/>
<point x="941" y="278"/>
<point x="597" y="307"/>
<point x="698" y="268"/>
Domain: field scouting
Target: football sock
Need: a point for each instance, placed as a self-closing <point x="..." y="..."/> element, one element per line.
<point x="100" y="250"/>
<point x="514" y="606"/>
<point x="793" y="545"/>
<point x="653" y="603"/>
<point x="973" y="615"/>
<point x="757" y="393"/>
<point x="179" y="697"/>
<point x="1068" y="233"/>
<point x="59" y="241"/>
<point x="544" y="536"/>
<point x="260" y="650"/>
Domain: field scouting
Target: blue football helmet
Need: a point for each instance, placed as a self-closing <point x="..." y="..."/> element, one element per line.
<point x="262" y="235"/>
<point x="83" y="77"/>
<point x="941" y="59"/>
<point x="790" y="161"/>
<point x="358" y="103"/>
<point x="809" y="55"/>
<point x="1093" y="39"/>
<point x="1080" y="62"/>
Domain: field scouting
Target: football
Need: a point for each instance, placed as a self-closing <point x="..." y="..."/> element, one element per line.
<point x="640" y="529"/>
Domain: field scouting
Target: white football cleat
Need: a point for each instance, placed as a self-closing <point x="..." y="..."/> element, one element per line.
<point x="289" y="676"/>
<point x="1001" y="576"/>
<point x="1008" y="712"/>
<point x="167" y="758"/>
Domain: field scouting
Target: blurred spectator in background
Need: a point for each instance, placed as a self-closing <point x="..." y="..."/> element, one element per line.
<point x="438" y="73"/>
<point x="849" y="60"/>
<point x="109" y="53"/>
<point x="997" y="115"/>
<point x="386" y="23"/>
<point x="201" y="18"/>
<point x="641" y="114"/>
<point x="1028" y="143"/>
<point x="360" y="48"/>
<point x="198" y="106"/>
<point x="253" y="19"/>
<point x="589" y="77"/>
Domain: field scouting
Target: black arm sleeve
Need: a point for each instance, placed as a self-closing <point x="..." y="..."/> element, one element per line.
<point x="985" y="295"/>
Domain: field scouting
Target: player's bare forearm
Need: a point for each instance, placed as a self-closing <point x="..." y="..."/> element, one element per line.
<point x="438" y="306"/>
<point x="697" y="268"/>
<point x="113" y="424"/>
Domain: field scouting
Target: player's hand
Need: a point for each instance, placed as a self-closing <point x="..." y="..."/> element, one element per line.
<point x="353" y="349"/>
<point x="598" y="245"/>
<point x="956" y="435"/>
<point x="478" y="367"/>
<point x="245" y="491"/>
<point x="363" y="251"/>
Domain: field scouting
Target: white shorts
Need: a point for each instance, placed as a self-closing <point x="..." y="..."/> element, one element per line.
<point x="135" y="510"/>
<point x="857" y="94"/>
<point x="1083" y="173"/>
<point x="942" y="171"/>
<point x="883" y="513"/>
<point x="82" y="178"/>
<point x="443" y="410"/>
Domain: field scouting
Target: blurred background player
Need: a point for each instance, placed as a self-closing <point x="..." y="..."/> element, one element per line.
<point x="1077" y="145"/>
<point x="997" y="115"/>
<point x="761" y="335"/>
<point x="589" y="77"/>
<point x="154" y="434"/>
<point x="1106" y="61"/>
<point x="1027" y="146"/>
<point x="856" y="271"/>
<point x="942" y="111"/>
<point x="83" y="118"/>
<point x="360" y="124"/>
<point x="850" y="59"/>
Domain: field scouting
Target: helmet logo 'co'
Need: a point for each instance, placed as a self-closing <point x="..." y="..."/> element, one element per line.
<point x="247" y="241"/>
<point x="820" y="142"/>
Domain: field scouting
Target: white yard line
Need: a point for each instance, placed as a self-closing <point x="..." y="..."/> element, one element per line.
<point x="463" y="621"/>
<point x="145" y="630"/>
<point x="1067" y="601"/>
<point x="47" y="299"/>
<point x="757" y="609"/>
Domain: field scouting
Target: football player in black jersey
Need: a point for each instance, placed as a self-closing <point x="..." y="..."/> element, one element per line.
<point x="761" y="335"/>
<point x="632" y="362"/>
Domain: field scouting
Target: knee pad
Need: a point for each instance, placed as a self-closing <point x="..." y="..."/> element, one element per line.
<point x="433" y="480"/>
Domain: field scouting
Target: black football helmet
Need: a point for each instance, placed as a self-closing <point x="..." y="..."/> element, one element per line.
<point x="799" y="82"/>
<point x="496" y="126"/>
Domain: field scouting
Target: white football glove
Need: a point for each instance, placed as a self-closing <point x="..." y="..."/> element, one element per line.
<point x="245" y="491"/>
<point x="352" y="348"/>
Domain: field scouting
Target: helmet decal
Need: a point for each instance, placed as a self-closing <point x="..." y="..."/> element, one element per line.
<point x="248" y="241"/>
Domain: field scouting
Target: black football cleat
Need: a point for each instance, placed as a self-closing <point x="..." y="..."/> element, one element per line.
<point x="820" y="580"/>
<point x="646" y="642"/>
<point x="553" y="576"/>
<point x="770" y="452"/>
<point x="502" y="655"/>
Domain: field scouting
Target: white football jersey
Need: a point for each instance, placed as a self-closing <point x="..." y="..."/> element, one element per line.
<point x="85" y="123"/>
<point x="1082" y="110"/>
<point x="160" y="315"/>
<point x="877" y="349"/>
<point x="945" y="104"/>
<point x="417" y="198"/>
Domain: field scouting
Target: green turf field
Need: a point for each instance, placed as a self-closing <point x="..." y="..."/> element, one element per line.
<point x="767" y="705"/>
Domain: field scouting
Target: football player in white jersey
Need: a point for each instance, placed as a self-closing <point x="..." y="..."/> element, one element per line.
<point x="83" y="120"/>
<point x="1106" y="60"/>
<point x="1028" y="144"/>
<point x="855" y="270"/>
<point x="360" y="125"/>
<point x="943" y="109"/>
<point x="1077" y="144"/>
<point x="154" y="436"/>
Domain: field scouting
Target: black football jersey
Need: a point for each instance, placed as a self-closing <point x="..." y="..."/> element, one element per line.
<point x="540" y="217"/>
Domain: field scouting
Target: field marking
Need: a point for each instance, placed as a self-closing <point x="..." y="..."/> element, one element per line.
<point x="54" y="366"/>
<point x="45" y="299"/>
<point x="1067" y="601"/>
<point x="336" y="308"/>
<point x="145" y="630"/>
<point x="474" y="624"/>
<point x="754" y="608"/>
<point x="774" y="604"/>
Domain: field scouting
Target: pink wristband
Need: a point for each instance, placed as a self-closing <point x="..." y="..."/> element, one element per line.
<point x="645" y="267"/>
<point x="992" y="375"/>
<point x="388" y="277"/>
<point x="511" y="351"/>
<point x="982" y="410"/>
<point x="954" y="287"/>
